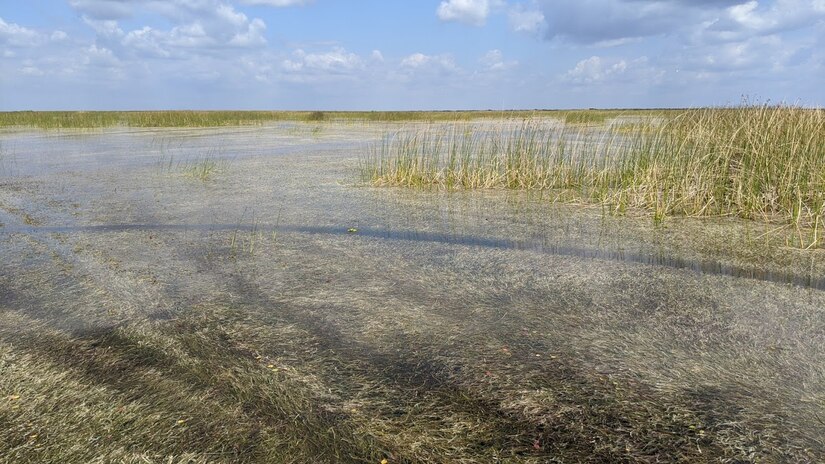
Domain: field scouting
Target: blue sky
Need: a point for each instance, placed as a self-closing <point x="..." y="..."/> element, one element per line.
<point x="408" y="54"/>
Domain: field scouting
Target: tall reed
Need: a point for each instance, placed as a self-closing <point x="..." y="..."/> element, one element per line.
<point x="759" y="162"/>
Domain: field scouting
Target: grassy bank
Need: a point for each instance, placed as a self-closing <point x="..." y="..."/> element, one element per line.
<point x="102" y="119"/>
<point x="757" y="162"/>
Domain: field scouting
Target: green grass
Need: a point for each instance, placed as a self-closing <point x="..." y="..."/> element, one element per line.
<point x="757" y="162"/>
<point x="202" y="168"/>
<point x="103" y="119"/>
<point x="587" y="117"/>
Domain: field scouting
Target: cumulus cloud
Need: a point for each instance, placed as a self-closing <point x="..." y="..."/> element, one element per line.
<point x="58" y="36"/>
<point x="702" y="48"/>
<point x="753" y="55"/>
<point x="104" y="28"/>
<point x="429" y="62"/>
<point x="701" y="39"/>
<point x="494" y="60"/>
<point x="600" y="70"/>
<point x="200" y="26"/>
<point x="473" y="12"/>
<point x="337" y="62"/>
<point x="524" y="19"/>
<point x="251" y="37"/>
<point x="29" y="69"/>
<point x="100" y="57"/>
<point x="751" y="19"/>
<point x="595" y="69"/>
<point x="18" y="36"/>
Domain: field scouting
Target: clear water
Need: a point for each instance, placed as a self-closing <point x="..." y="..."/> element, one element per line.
<point x="712" y="312"/>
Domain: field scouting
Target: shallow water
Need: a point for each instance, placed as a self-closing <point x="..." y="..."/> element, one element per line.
<point x="657" y="257"/>
<point x="484" y="292"/>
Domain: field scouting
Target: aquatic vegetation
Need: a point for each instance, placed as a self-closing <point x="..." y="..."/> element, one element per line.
<point x="202" y="168"/>
<point x="160" y="323"/>
<point x="755" y="161"/>
<point x="587" y="117"/>
<point x="103" y="119"/>
<point x="246" y="238"/>
<point x="316" y="116"/>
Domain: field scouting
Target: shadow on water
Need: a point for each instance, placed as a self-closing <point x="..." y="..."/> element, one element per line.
<point x="538" y="245"/>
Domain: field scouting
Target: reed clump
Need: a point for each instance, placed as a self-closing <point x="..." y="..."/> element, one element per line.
<point x="761" y="162"/>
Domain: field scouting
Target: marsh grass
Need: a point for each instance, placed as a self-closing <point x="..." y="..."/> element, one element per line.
<point x="202" y="168"/>
<point x="758" y="162"/>
<point x="246" y="240"/>
<point x="587" y="117"/>
<point x="156" y="119"/>
<point x="103" y="119"/>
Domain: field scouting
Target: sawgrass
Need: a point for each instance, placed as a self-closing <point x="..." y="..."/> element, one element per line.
<point x="103" y="119"/>
<point x="757" y="162"/>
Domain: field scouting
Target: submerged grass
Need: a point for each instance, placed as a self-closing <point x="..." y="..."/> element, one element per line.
<point x="288" y="366"/>
<point x="143" y="346"/>
<point x="755" y="161"/>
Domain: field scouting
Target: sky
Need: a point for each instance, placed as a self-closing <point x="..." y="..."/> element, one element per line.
<point x="408" y="54"/>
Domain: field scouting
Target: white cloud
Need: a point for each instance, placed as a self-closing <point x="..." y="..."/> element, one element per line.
<point x="199" y="27"/>
<point x="331" y="64"/>
<point x="422" y="61"/>
<point x="768" y="54"/>
<point x="416" y="60"/>
<point x="598" y="70"/>
<point x="18" y="36"/>
<point x="473" y="12"/>
<point x="105" y="28"/>
<point x="58" y="36"/>
<point x="100" y="57"/>
<point x="147" y="42"/>
<point x="30" y="69"/>
<point x="253" y="36"/>
<point x="529" y="20"/>
<point x="750" y="19"/>
<point x="376" y="55"/>
<point x="493" y="60"/>
<point x="594" y="69"/>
